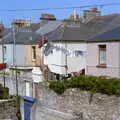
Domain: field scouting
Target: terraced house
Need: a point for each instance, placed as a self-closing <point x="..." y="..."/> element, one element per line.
<point x="95" y="39"/>
<point x="69" y="45"/>
<point x="103" y="51"/>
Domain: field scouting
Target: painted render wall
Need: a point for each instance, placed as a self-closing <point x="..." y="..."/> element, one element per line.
<point x="19" y="54"/>
<point x="57" y="60"/>
<point x="113" y="59"/>
<point x="23" y="55"/>
<point x="28" y="56"/>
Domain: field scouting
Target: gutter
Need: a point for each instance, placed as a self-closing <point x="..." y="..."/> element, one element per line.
<point x="119" y="60"/>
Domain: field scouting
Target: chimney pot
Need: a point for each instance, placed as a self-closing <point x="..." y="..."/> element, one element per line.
<point x="93" y="9"/>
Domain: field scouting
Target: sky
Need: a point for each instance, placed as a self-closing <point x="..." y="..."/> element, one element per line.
<point x="7" y="17"/>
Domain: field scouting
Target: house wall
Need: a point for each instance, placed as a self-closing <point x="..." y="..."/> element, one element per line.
<point x="56" y="61"/>
<point x="19" y="54"/>
<point x="76" y="63"/>
<point x="113" y="61"/>
<point x="28" y="56"/>
<point x="23" y="55"/>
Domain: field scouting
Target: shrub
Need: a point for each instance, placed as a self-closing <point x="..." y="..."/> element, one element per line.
<point x="58" y="86"/>
<point x="4" y="92"/>
<point x="110" y="86"/>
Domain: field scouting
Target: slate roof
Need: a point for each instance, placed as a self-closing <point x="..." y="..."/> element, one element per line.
<point x="23" y="35"/>
<point x="85" y="31"/>
<point x="21" y="38"/>
<point x="30" y="34"/>
<point x="48" y="27"/>
<point x="110" y="35"/>
<point x="95" y="29"/>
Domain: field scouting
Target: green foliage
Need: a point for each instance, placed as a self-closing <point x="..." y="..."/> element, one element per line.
<point x="110" y="86"/>
<point x="4" y="92"/>
<point x="58" y="86"/>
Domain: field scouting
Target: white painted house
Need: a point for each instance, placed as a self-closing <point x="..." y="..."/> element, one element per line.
<point x="65" y="52"/>
<point x="61" y="62"/>
<point x="64" y="42"/>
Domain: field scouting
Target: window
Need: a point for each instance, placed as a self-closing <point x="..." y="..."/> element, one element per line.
<point x="102" y="55"/>
<point x="4" y="53"/>
<point x="4" y="48"/>
<point x="33" y="52"/>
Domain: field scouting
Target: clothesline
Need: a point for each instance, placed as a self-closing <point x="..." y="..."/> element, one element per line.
<point x="50" y="47"/>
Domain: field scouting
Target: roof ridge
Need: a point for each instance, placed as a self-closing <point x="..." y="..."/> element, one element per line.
<point x="107" y="16"/>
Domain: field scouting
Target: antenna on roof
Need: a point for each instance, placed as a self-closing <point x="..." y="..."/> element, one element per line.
<point x="30" y="20"/>
<point x="74" y="15"/>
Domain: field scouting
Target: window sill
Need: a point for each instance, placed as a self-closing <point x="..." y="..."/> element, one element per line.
<point x="101" y="66"/>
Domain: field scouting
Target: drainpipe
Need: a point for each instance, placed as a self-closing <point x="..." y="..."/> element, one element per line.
<point x="14" y="64"/>
<point x="66" y="66"/>
<point x="3" y="57"/>
<point x="119" y="60"/>
<point x="3" y="63"/>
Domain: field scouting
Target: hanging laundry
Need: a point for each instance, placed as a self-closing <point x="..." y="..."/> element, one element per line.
<point x="43" y="41"/>
<point x="49" y="49"/>
<point x="79" y="53"/>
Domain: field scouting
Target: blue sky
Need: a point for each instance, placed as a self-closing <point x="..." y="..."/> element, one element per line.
<point x="7" y="17"/>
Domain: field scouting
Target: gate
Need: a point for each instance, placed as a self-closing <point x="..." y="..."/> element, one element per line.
<point x="28" y="102"/>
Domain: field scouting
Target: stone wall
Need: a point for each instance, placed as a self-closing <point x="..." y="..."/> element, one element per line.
<point x="7" y="109"/>
<point x="74" y="104"/>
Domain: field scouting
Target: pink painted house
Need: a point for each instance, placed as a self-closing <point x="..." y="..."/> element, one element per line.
<point x="103" y="54"/>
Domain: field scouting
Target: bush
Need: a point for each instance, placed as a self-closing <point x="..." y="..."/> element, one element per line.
<point x="110" y="86"/>
<point x="58" y="86"/>
<point x="4" y="92"/>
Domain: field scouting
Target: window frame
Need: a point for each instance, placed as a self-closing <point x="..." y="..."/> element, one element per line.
<point x="34" y="53"/>
<point x="102" y="47"/>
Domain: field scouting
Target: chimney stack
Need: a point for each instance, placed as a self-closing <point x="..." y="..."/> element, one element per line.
<point x="1" y="30"/>
<point x="20" y="23"/>
<point x="74" y="16"/>
<point x="91" y="13"/>
<point x="47" y="16"/>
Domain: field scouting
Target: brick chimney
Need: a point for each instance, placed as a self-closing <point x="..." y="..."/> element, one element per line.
<point x="1" y="30"/>
<point x="74" y="17"/>
<point x="91" y="13"/>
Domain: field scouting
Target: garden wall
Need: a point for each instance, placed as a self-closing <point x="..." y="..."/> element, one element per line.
<point x="7" y="109"/>
<point x="74" y="104"/>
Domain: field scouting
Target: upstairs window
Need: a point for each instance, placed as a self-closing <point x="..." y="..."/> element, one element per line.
<point x="4" y="53"/>
<point x="33" y="53"/>
<point x="5" y="50"/>
<point x="102" y="55"/>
